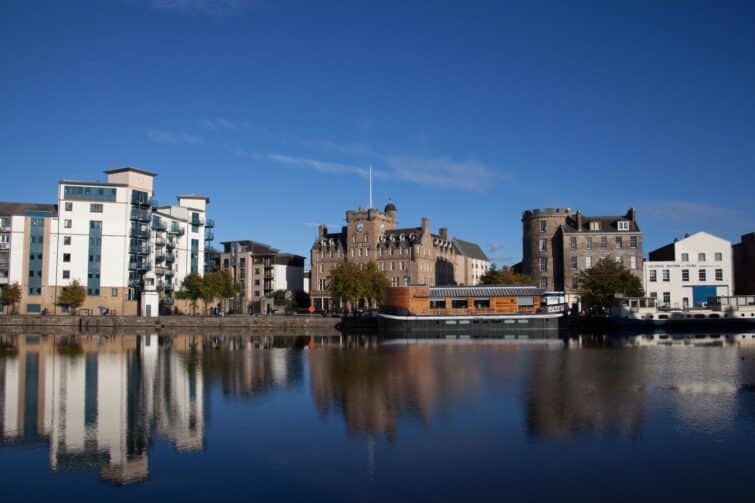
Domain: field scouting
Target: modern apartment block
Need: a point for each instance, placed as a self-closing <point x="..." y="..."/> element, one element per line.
<point x="128" y="252"/>
<point x="744" y="265"/>
<point x="410" y="255"/>
<point x="686" y="272"/>
<point x="558" y="244"/>
<point x="260" y="269"/>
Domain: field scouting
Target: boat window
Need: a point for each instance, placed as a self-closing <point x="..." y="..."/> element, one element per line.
<point x="526" y="301"/>
<point x="437" y="303"/>
<point x="459" y="303"/>
<point x="699" y="316"/>
<point x="482" y="303"/>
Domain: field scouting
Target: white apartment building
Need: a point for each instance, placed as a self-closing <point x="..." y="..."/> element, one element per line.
<point x="109" y="238"/>
<point x="686" y="272"/>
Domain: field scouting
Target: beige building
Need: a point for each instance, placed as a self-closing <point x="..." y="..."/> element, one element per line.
<point x="409" y="255"/>
<point x="558" y="244"/>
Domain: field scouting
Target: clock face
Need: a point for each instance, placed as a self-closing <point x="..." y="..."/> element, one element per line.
<point x="360" y="227"/>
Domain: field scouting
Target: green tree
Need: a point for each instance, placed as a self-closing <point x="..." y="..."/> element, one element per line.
<point x="599" y="285"/>
<point x="345" y="284"/>
<point x="279" y="297"/>
<point x="72" y="296"/>
<point x="505" y="276"/>
<point x="375" y="283"/>
<point x="11" y="296"/>
<point x="224" y="285"/>
<point x="191" y="290"/>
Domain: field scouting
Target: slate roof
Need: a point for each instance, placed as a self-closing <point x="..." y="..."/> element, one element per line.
<point x="10" y="209"/>
<point x="251" y="246"/>
<point x="471" y="250"/>
<point x="607" y="224"/>
<point x="130" y="168"/>
<point x="485" y="291"/>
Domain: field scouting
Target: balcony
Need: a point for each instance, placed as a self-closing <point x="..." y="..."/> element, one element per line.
<point x="159" y="242"/>
<point x="170" y="244"/>
<point x="196" y="221"/>
<point x="169" y="286"/>
<point x="175" y="229"/>
<point x="139" y="200"/>
<point x="141" y="215"/>
<point x="209" y="223"/>
<point x="160" y="286"/>
<point x="140" y="232"/>
<point x="170" y="258"/>
<point x="169" y="273"/>
<point x="159" y="225"/>
<point x="135" y="283"/>
<point x="143" y="265"/>
<point x="4" y="246"/>
<point x="160" y="257"/>
<point x="209" y="235"/>
<point x="140" y="249"/>
<point x="161" y="270"/>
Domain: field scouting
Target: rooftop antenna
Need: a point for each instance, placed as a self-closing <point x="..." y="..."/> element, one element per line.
<point x="370" y="207"/>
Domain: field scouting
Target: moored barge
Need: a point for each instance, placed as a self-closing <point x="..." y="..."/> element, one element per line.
<point x="471" y="311"/>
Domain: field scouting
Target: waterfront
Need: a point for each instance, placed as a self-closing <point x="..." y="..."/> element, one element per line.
<point x="242" y="417"/>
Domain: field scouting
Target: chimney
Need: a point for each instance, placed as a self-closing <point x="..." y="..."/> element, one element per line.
<point x="579" y="221"/>
<point x="443" y="231"/>
<point x="425" y="225"/>
<point x="632" y="215"/>
<point x="322" y="230"/>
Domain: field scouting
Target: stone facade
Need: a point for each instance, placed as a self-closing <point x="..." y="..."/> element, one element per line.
<point x="411" y="255"/>
<point x="558" y="244"/>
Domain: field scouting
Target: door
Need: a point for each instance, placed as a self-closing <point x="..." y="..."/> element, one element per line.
<point x="700" y="294"/>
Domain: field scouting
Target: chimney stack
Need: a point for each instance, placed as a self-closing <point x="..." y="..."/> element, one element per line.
<point x="425" y="224"/>
<point x="579" y="221"/>
<point x="632" y="215"/>
<point x="322" y="230"/>
<point x="443" y="231"/>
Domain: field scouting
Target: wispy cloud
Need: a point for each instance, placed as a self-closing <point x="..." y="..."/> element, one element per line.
<point x="172" y="137"/>
<point x="442" y="172"/>
<point x="218" y="123"/>
<point x="315" y="225"/>
<point x="684" y="210"/>
<point x="213" y="8"/>
<point x="323" y="166"/>
<point x="494" y="247"/>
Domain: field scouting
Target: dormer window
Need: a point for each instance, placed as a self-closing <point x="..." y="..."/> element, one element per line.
<point x="594" y="225"/>
<point x="623" y="225"/>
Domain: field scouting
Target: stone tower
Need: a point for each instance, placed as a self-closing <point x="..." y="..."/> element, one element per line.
<point x="541" y="257"/>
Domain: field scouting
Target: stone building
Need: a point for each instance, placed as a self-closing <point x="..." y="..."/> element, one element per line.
<point x="744" y="265"/>
<point x="558" y="244"/>
<point x="260" y="269"/>
<point x="409" y="255"/>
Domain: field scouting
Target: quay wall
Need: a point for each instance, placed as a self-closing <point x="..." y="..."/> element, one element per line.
<point x="292" y="324"/>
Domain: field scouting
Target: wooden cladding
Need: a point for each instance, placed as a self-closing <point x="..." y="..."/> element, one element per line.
<point x="416" y="300"/>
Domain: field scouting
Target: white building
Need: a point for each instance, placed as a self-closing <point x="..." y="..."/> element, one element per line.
<point x="105" y="235"/>
<point x="686" y="272"/>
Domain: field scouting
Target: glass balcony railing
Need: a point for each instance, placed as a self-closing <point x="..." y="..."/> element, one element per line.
<point x="160" y="257"/>
<point x="143" y="265"/>
<point x="197" y="221"/>
<point x="159" y="225"/>
<point x="140" y="215"/>
<point x="175" y="229"/>
<point x="140" y="199"/>
<point x="159" y="242"/>
<point x="170" y="258"/>
<point x="209" y="223"/>
<point x="140" y="232"/>
<point x="209" y="235"/>
<point x="170" y="244"/>
<point x="140" y="249"/>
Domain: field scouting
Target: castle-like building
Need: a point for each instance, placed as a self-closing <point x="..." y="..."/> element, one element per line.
<point x="558" y="244"/>
<point x="409" y="255"/>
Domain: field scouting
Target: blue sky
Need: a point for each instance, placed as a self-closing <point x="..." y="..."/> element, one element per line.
<point x="469" y="112"/>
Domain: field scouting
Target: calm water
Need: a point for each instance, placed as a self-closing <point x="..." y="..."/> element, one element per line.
<point x="235" y="417"/>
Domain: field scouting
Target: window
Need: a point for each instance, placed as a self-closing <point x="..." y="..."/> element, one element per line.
<point x="322" y="268"/>
<point x="573" y="243"/>
<point x="66" y="240"/>
<point x="67" y="223"/>
<point x="544" y="283"/>
<point x="526" y="301"/>
<point x="633" y="242"/>
<point x="623" y="225"/>
<point x="685" y="257"/>
<point x="69" y="206"/>
<point x="588" y="243"/>
<point x="604" y="242"/>
<point x="719" y="274"/>
<point x="459" y="303"/>
<point x="482" y="303"/>
<point x="257" y="292"/>
<point x="542" y="245"/>
<point x="113" y="292"/>
<point x="666" y="275"/>
<point x="654" y="295"/>
<point x="719" y="256"/>
<point x="437" y="303"/>
<point x="33" y="308"/>
<point x="66" y="257"/>
<point x="543" y="264"/>
<point x="542" y="225"/>
<point x="666" y="298"/>
<point x="573" y="262"/>
<point x="685" y="274"/>
<point x="619" y="242"/>
<point x="588" y="262"/>
<point x="95" y="207"/>
<point x="256" y="282"/>
<point x="633" y="262"/>
<point x="701" y="257"/>
<point x="594" y="225"/>
<point x="701" y="275"/>
<point x="574" y="283"/>
<point x="66" y="274"/>
<point x="653" y="275"/>
<point x="618" y="259"/>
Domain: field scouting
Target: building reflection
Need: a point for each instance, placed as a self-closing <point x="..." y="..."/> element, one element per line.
<point x="99" y="401"/>
<point x="372" y="389"/>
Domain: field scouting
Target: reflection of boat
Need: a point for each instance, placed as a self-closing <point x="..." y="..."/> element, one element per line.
<point x="462" y="312"/>
<point x="720" y="313"/>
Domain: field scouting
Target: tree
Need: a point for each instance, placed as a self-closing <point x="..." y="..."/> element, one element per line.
<point x="10" y="296"/>
<point x="599" y="285"/>
<point x="72" y="296"/>
<point x="375" y="283"/>
<point x="191" y="290"/>
<point x="345" y="284"/>
<point x="505" y="276"/>
<point x="279" y="297"/>
<point x="224" y="285"/>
